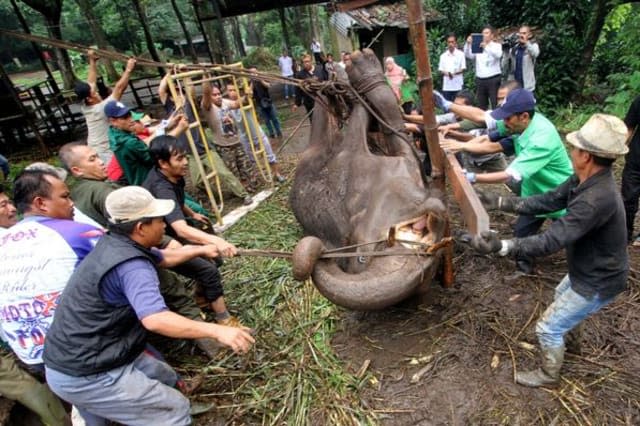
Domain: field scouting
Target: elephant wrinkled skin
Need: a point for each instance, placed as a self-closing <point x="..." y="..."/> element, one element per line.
<point x="353" y="184"/>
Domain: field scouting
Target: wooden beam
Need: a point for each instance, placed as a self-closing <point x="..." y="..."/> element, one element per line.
<point x="475" y="216"/>
<point x="354" y="4"/>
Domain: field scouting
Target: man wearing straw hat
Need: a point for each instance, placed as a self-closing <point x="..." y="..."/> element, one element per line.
<point x="593" y="232"/>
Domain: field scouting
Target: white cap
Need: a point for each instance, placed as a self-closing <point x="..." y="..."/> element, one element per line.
<point x="602" y="135"/>
<point x="133" y="203"/>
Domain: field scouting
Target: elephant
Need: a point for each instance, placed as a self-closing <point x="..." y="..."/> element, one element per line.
<point x="356" y="181"/>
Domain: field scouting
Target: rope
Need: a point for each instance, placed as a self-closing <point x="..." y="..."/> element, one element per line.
<point x="341" y="92"/>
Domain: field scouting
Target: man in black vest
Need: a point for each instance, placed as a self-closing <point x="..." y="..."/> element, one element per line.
<point x="95" y="354"/>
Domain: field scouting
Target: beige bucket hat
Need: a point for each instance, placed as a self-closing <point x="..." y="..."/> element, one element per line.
<point x="602" y="135"/>
<point x="134" y="203"/>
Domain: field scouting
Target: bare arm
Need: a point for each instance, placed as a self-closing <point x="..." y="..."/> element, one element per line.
<point x="469" y="112"/>
<point x="175" y="256"/>
<point x="121" y="85"/>
<point x="92" y="74"/>
<point x="182" y="228"/>
<point x="171" y="324"/>
<point x="497" y="177"/>
<point x="413" y="118"/>
<point x="206" y="95"/>
<point x="180" y="127"/>
<point x="163" y="89"/>
<point x="479" y="145"/>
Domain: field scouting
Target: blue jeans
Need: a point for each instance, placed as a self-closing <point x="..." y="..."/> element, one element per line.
<point x="244" y="139"/>
<point x="567" y="311"/>
<point x="139" y="393"/>
<point x="270" y="117"/>
<point x="288" y="89"/>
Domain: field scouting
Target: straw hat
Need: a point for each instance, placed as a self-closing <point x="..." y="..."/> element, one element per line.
<point x="602" y="135"/>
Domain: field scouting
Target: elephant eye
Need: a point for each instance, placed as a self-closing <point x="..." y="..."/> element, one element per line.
<point x="362" y="259"/>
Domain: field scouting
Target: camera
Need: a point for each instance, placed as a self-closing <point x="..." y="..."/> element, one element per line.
<point x="509" y="41"/>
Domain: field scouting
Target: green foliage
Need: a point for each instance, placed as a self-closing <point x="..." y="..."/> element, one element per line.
<point x="261" y="58"/>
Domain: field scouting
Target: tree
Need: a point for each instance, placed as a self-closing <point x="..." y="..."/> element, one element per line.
<point x="98" y="35"/>
<point x="51" y="11"/>
<point x="187" y="36"/>
<point x="237" y="36"/>
<point x="147" y="33"/>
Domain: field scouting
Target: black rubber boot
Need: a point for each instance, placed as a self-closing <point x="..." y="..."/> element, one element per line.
<point x="548" y="374"/>
<point x="573" y="340"/>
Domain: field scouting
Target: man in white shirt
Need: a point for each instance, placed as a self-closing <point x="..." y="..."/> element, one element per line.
<point x="488" y="69"/>
<point x="452" y="66"/>
<point x="316" y="49"/>
<point x="92" y="105"/>
<point x="286" y="69"/>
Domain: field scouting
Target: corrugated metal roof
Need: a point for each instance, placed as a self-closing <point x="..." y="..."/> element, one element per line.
<point x="342" y="22"/>
<point x="389" y="15"/>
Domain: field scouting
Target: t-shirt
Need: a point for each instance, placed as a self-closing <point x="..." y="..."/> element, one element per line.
<point x="286" y="65"/>
<point x="97" y="126"/>
<point x="541" y="162"/>
<point x="163" y="188"/>
<point x="453" y="63"/>
<point x="214" y="120"/>
<point x="134" y="282"/>
<point x="37" y="257"/>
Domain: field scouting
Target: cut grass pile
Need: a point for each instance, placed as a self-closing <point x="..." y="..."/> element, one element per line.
<point x="292" y="375"/>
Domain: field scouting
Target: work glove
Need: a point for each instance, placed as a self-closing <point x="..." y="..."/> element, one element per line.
<point x="489" y="242"/>
<point x="470" y="176"/>
<point x="492" y="201"/>
<point x="440" y="101"/>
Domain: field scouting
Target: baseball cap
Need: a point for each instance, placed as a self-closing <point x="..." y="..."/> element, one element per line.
<point x="602" y="135"/>
<point x="517" y="101"/>
<point x="82" y="89"/>
<point x="137" y="116"/>
<point x="133" y="203"/>
<point x="116" y="109"/>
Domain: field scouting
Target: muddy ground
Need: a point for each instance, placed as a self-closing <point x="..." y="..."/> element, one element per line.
<point x="450" y="357"/>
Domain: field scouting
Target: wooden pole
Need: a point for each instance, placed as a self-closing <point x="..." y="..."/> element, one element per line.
<point x="418" y="35"/>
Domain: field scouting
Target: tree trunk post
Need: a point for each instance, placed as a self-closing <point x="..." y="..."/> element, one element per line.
<point x="99" y="35"/>
<point x="285" y="32"/>
<point x="238" y="36"/>
<point x="196" y="11"/>
<point x="147" y="34"/>
<point x="187" y="36"/>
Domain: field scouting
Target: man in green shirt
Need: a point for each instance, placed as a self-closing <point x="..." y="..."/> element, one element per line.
<point x="541" y="162"/>
<point x="132" y="153"/>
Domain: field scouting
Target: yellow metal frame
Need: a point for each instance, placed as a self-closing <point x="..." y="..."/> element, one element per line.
<point x="248" y="111"/>
<point x="186" y="78"/>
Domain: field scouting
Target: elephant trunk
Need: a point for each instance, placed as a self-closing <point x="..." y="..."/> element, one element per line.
<point x="387" y="281"/>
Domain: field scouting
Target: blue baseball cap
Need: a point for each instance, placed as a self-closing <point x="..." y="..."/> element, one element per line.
<point x="517" y="102"/>
<point x="116" y="109"/>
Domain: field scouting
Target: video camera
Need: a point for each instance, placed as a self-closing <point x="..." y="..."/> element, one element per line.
<point x="509" y="41"/>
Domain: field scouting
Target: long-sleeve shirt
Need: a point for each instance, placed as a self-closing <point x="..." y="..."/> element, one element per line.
<point x="593" y="232"/>
<point x="488" y="62"/>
